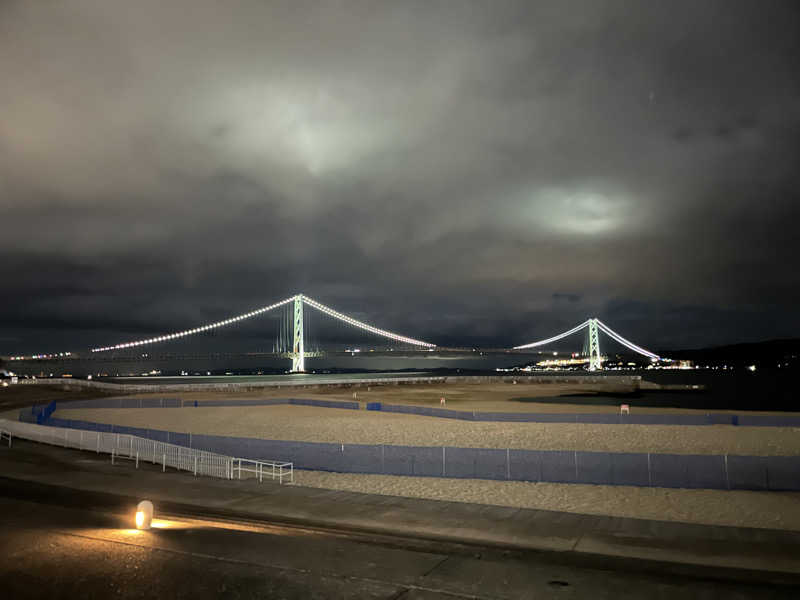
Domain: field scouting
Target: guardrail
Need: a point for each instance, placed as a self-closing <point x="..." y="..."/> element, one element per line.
<point x="122" y="445"/>
<point x="274" y="469"/>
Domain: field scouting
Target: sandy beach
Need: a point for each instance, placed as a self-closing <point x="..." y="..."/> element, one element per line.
<point x="771" y="510"/>
<point x="459" y="396"/>
<point x="341" y="426"/>
<point x="776" y="510"/>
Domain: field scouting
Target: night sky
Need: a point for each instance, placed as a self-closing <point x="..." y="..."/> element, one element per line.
<point x="466" y="173"/>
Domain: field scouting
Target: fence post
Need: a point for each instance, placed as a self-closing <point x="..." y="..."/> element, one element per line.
<point x="443" y="459"/>
<point x="727" y="477"/>
<point x="576" y="465"/>
<point x="163" y="462"/>
<point x="195" y="465"/>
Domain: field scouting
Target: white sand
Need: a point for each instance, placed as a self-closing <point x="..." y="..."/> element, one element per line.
<point x="366" y="427"/>
<point x="775" y="510"/>
<point x="772" y="510"/>
<point x="485" y="396"/>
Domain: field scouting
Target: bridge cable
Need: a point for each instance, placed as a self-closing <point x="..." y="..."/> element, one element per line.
<point x="554" y="338"/>
<point x="361" y="325"/>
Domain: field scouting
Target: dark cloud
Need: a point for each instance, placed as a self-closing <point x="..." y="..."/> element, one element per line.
<point x="445" y="169"/>
<point x="567" y="297"/>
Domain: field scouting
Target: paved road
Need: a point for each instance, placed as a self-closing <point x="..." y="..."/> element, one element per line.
<point x="768" y="556"/>
<point x="51" y="551"/>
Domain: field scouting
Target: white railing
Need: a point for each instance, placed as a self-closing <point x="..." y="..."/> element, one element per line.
<point x="5" y="434"/>
<point x="260" y="468"/>
<point x="122" y="445"/>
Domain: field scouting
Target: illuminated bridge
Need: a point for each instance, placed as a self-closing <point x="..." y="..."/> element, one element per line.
<point x="593" y="327"/>
<point x="293" y="339"/>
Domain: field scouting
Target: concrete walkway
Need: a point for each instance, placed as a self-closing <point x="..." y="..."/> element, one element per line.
<point x="62" y="472"/>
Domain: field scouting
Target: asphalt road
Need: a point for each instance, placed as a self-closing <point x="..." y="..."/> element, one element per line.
<point x="50" y="551"/>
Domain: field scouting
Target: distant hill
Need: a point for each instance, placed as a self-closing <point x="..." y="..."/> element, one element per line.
<point x="768" y="353"/>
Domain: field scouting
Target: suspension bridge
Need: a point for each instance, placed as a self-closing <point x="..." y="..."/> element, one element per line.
<point x="292" y="339"/>
<point x="593" y="327"/>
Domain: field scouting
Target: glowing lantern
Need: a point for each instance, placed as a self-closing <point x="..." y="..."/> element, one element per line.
<point x="144" y="514"/>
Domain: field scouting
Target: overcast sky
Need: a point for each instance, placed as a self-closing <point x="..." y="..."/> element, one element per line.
<point x="465" y="173"/>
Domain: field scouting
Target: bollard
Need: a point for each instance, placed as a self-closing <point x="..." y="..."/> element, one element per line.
<point x="144" y="514"/>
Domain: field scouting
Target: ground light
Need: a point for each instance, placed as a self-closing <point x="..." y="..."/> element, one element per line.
<point x="144" y="514"/>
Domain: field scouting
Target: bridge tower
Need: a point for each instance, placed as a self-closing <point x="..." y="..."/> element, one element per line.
<point x="298" y="354"/>
<point x="595" y="360"/>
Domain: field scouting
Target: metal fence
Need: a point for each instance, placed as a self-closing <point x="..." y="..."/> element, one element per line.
<point x="555" y="466"/>
<point x="38" y="413"/>
<point x="260" y="468"/>
<point x="607" y="468"/>
<point x="125" y="445"/>
<point x="179" y="403"/>
<point x="41" y="414"/>
<point x="598" y="418"/>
